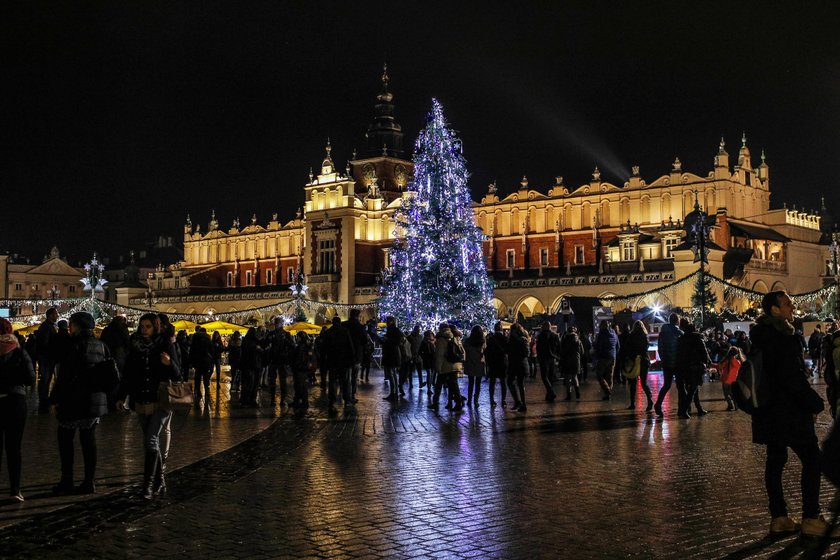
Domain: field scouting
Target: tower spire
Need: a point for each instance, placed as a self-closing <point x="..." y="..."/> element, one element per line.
<point x="384" y="130"/>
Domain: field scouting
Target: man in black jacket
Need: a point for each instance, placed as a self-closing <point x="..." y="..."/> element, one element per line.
<point x="340" y="356"/>
<point x="787" y="420"/>
<point x="548" y="351"/>
<point x="201" y="359"/>
<point x="359" y="337"/>
<point x="44" y="346"/>
<point x="281" y="347"/>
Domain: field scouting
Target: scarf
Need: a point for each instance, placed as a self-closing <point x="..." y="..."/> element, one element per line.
<point x="143" y="346"/>
<point x="780" y="324"/>
<point x="8" y="342"/>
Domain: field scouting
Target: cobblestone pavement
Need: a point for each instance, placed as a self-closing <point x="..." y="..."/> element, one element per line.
<point x="584" y="479"/>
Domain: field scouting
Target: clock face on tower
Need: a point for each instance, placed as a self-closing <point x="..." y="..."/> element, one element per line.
<point x="369" y="173"/>
<point x="400" y="175"/>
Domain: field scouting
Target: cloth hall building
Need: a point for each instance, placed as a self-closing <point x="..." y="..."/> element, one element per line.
<point x="593" y="240"/>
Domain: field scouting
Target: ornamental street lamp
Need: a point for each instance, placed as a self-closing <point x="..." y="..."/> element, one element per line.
<point x="834" y="249"/>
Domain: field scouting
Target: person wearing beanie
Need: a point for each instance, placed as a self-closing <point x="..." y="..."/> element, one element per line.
<point x="79" y="402"/>
<point x="16" y="372"/>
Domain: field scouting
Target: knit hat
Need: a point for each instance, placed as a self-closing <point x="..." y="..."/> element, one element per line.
<point x="5" y="326"/>
<point x="83" y="319"/>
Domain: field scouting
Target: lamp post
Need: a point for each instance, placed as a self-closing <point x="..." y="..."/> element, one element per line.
<point x="834" y="249"/>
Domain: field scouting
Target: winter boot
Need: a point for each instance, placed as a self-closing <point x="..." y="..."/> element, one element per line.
<point x="149" y="468"/>
<point x="159" y="486"/>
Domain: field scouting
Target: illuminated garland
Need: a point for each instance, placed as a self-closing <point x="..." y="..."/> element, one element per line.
<point x="654" y="291"/>
<point x="99" y="308"/>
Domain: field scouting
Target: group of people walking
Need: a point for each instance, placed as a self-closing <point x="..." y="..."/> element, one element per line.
<point x="81" y="378"/>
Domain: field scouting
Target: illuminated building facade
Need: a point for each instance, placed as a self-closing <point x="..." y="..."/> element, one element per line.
<point x="597" y="239"/>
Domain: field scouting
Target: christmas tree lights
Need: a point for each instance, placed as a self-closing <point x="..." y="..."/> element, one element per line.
<point x="437" y="271"/>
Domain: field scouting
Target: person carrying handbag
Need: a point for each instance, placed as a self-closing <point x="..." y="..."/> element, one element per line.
<point x="148" y="364"/>
<point x="16" y="373"/>
<point x="78" y="400"/>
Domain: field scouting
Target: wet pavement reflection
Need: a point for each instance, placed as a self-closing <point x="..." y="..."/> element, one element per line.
<point x="580" y="479"/>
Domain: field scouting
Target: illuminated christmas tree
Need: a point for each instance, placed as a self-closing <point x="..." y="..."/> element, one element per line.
<point x="437" y="271"/>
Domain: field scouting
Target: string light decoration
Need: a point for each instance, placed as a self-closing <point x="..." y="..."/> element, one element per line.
<point x="437" y="271"/>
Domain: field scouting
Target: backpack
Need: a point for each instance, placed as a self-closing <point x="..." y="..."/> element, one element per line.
<point x="750" y="387"/>
<point x="455" y="352"/>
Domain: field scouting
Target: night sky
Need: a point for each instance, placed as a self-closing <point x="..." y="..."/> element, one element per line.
<point x="125" y="116"/>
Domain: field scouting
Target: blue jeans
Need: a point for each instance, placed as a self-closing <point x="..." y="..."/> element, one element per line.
<point x="151" y="425"/>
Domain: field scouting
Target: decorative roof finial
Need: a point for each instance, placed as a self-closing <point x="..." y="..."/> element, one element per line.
<point x="635" y="170"/>
<point x="677" y="164"/>
<point x="253" y="219"/>
<point x="744" y="139"/>
<point x="329" y="147"/>
<point x="311" y="175"/>
<point x="298" y="214"/>
<point x="347" y="169"/>
<point x="385" y="78"/>
<point x="524" y="182"/>
<point x="763" y="157"/>
<point x="722" y="145"/>
<point x="596" y="175"/>
<point x="189" y="221"/>
<point x="558" y="180"/>
<point x="491" y="188"/>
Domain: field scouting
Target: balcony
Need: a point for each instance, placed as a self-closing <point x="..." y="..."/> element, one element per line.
<point x="767" y="266"/>
<point x="323" y="278"/>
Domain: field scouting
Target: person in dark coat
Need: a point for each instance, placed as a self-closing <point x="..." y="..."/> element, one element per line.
<point x="787" y="420"/>
<point x="44" y="337"/>
<point x="299" y="362"/>
<point x="518" y="349"/>
<point x="623" y="333"/>
<point x="182" y="342"/>
<point x="742" y="341"/>
<point x="16" y="373"/>
<point x="548" y="351"/>
<point x="474" y="364"/>
<point x="637" y="347"/>
<point x="692" y="360"/>
<point x="115" y="336"/>
<point x="495" y="355"/>
<point x="201" y="359"/>
<point x="217" y="352"/>
<point x="62" y="342"/>
<point x="415" y="339"/>
<point x="669" y="338"/>
<point x="392" y="356"/>
<point x="572" y="358"/>
<point x="340" y="356"/>
<point x="815" y="347"/>
<point x="427" y="356"/>
<point x="606" y="351"/>
<point x="234" y="350"/>
<point x="79" y="400"/>
<point x="360" y="344"/>
<point x="280" y="347"/>
<point x="149" y="363"/>
<point x="251" y="365"/>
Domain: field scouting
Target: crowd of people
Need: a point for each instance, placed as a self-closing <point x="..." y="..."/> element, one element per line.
<point x="81" y="378"/>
